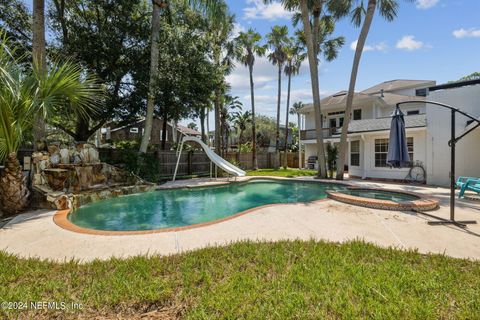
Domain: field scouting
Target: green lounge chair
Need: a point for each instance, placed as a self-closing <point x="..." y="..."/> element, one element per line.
<point x="472" y="184"/>
<point x="461" y="181"/>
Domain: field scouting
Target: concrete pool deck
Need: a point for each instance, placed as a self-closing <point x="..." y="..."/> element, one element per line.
<point x="34" y="234"/>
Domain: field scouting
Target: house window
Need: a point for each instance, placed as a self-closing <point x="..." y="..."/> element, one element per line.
<point x="133" y="130"/>
<point x="381" y="151"/>
<point x="357" y="114"/>
<point x="355" y="153"/>
<point x="340" y="122"/>
<point x="421" y="92"/>
<point x="413" y="112"/>
<point x="333" y="123"/>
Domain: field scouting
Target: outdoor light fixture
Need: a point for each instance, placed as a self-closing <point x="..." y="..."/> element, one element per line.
<point x="452" y="143"/>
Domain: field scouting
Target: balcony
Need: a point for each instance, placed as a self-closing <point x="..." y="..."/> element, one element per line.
<point x="312" y="135"/>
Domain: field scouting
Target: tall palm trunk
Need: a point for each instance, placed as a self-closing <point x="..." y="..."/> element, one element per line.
<point x="218" y="124"/>
<point x="254" y="129"/>
<point x="277" y="133"/>
<point x="351" y="88"/>
<point x="39" y="59"/>
<point x="157" y="5"/>
<point x="285" y="162"/>
<point x="13" y="187"/>
<point x="300" y="164"/>
<point x="312" y="59"/>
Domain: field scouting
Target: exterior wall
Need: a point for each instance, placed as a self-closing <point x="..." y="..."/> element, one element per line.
<point x="367" y="167"/>
<point x="438" y="124"/>
<point x="309" y="121"/>
<point x="384" y="112"/>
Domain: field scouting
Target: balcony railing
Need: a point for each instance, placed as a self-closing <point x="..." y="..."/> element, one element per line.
<point x="311" y="134"/>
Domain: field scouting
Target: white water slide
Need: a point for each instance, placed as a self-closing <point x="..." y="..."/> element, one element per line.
<point x="215" y="158"/>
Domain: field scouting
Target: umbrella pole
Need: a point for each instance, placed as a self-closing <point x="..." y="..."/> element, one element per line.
<point x="452" y="220"/>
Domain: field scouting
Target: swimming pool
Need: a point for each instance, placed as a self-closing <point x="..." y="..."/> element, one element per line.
<point x="189" y="206"/>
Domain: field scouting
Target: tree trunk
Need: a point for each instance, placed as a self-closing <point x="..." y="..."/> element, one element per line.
<point x="218" y="125"/>
<point x="285" y="162"/>
<point x="202" y="124"/>
<point x="157" y="5"/>
<point x="14" y="193"/>
<point x="39" y="60"/>
<point x="277" y="133"/>
<point x="81" y="130"/>
<point x="208" y="127"/>
<point x="351" y="88"/>
<point x="164" y="132"/>
<point x="312" y="59"/>
<point x="254" y="128"/>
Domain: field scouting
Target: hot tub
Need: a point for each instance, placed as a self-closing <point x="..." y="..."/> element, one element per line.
<point x="384" y="199"/>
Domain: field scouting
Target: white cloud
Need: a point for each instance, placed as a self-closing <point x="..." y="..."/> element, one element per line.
<point x="256" y="9"/>
<point x="409" y="43"/>
<point x="426" y="4"/>
<point x="466" y="33"/>
<point x="382" y="46"/>
<point x="263" y="72"/>
<point x="237" y="28"/>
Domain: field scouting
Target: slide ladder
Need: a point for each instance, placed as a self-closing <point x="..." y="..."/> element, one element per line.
<point x="215" y="158"/>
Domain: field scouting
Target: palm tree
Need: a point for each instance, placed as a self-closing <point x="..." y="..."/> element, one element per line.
<point x="241" y="121"/>
<point x="223" y="52"/>
<point x="231" y="107"/>
<point x="209" y="7"/>
<point x="387" y="9"/>
<point x="39" y="58"/>
<point x="25" y="96"/>
<point x="249" y="47"/>
<point x="294" y="57"/>
<point x="295" y="109"/>
<point x="277" y="40"/>
<point x="316" y="25"/>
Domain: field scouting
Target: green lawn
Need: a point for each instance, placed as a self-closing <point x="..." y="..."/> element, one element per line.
<point x="290" y="172"/>
<point x="284" y="280"/>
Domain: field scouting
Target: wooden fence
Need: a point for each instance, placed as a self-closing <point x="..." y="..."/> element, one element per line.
<point x="197" y="163"/>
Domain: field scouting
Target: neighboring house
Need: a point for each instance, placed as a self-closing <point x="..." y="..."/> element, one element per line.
<point x="370" y="126"/>
<point x="135" y="131"/>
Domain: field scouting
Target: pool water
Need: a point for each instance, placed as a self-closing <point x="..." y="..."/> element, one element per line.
<point x="188" y="206"/>
<point x="381" y="195"/>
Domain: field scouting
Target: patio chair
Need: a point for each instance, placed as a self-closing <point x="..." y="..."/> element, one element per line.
<point x="461" y="181"/>
<point x="472" y="184"/>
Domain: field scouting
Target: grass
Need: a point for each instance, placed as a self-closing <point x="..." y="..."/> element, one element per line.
<point x="290" y="172"/>
<point x="283" y="280"/>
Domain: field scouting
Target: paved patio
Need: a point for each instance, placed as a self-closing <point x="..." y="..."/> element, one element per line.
<point x="35" y="233"/>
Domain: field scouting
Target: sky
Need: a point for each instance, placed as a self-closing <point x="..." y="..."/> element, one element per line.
<point x="429" y="40"/>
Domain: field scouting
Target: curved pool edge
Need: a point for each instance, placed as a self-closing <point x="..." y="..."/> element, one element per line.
<point x="423" y="203"/>
<point x="60" y="218"/>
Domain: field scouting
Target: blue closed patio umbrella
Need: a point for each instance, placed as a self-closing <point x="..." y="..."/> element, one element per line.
<point x="397" y="156"/>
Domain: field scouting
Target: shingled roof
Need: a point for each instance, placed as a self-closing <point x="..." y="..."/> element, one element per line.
<point x="341" y="97"/>
<point x="397" y="84"/>
<point x="381" y="124"/>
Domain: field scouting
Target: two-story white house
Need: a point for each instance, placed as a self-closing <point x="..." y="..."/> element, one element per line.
<point x="370" y="125"/>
